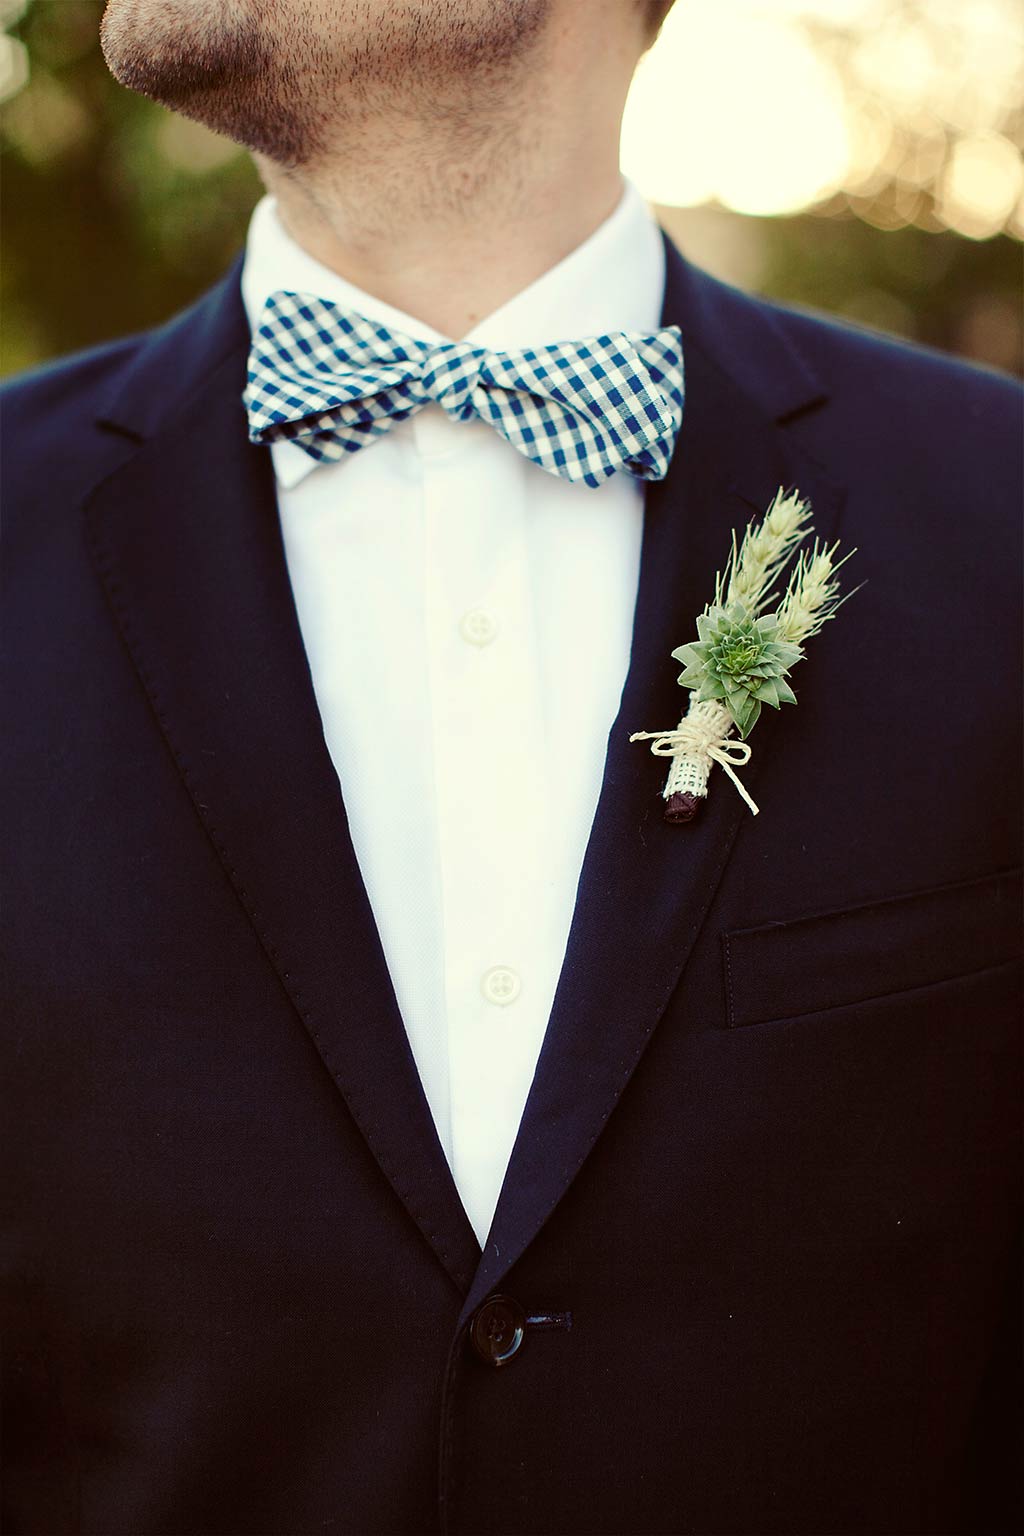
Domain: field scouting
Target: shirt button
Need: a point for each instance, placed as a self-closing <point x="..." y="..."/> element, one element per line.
<point x="478" y="627"/>
<point x="501" y="985"/>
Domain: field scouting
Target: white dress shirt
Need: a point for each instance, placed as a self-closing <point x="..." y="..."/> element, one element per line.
<point x="468" y="621"/>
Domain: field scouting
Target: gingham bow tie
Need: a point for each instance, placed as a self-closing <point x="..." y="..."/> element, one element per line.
<point x="332" y="381"/>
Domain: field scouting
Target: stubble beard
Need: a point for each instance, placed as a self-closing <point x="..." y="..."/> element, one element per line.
<point x="293" y="79"/>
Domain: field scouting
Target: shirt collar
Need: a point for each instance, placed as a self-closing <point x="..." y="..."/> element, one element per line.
<point x="613" y="281"/>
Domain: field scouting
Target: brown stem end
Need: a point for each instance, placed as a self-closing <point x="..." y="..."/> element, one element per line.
<point x="682" y="807"/>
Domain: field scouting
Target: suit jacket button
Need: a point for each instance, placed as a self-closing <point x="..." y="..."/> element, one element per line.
<point x="498" y="1330"/>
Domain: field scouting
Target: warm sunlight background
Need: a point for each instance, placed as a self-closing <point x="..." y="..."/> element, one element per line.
<point x="903" y="113"/>
<point x="862" y="156"/>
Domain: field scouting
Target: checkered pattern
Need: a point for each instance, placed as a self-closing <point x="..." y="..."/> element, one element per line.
<point x="332" y="381"/>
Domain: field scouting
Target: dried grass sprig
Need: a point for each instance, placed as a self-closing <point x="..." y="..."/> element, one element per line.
<point x="752" y="569"/>
<point x="748" y="639"/>
<point x="812" y="596"/>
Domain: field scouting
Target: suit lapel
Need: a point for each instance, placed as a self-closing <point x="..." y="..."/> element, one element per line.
<point x="186" y="539"/>
<point x="646" y="885"/>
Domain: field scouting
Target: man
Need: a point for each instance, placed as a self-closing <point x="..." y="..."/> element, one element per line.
<point x="414" y="1130"/>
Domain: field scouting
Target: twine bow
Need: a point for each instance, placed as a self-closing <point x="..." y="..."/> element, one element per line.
<point x="702" y="739"/>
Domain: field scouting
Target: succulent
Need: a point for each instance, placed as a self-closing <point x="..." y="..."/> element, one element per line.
<point x="740" y="659"/>
<point x="744" y="651"/>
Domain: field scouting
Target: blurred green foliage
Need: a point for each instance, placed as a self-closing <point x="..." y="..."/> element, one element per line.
<point x="940" y="289"/>
<point x="117" y="213"/>
<point x="113" y="214"/>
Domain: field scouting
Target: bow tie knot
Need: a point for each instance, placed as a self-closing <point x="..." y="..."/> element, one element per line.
<point x="332" y="381"/>
<point x="450" y="375"/>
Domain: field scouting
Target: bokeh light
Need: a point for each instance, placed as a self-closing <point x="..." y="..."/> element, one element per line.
<point x="980" y="185"/>
<point x="904" y="111"/>
<point x="861" y="157"/>
<point x="753" y="128"/>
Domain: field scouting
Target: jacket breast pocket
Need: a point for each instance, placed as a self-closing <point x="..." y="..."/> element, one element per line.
<point x="832" y="959"/>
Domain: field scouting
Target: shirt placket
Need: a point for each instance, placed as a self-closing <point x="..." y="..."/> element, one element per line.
<point x="489" y="770"/>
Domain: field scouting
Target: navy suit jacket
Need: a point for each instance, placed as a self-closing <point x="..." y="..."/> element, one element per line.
<point x="764" y="1201"/>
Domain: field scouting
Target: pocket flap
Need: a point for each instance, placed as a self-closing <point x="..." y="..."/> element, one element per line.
<point x="780" y="970"/>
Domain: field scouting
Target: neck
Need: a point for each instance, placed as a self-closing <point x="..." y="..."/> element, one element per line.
<point x="446" y="214"/>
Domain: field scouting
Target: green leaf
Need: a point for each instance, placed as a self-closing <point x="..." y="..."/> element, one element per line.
<point x="784" y="651"/>
<point x="712" y="688"/>
<point x="693" y="677"/>
<point x="767" y="691"/>
<point x="751" y="721"/>
<point x="696" y="651"/>
<point x="744" y="712"/>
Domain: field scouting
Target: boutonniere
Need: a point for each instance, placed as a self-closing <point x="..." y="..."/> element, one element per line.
<point x="748" y="638"/>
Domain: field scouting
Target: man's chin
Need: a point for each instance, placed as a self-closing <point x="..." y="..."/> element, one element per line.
<point x="183" y="53"/>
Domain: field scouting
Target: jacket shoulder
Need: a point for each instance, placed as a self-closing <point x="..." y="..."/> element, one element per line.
<point x="932" y="427"/>
<point x="80" y="377"/>
<point x="54" y="449"/>
<point x="886" y="370"/>
<point x="69" y="386"/>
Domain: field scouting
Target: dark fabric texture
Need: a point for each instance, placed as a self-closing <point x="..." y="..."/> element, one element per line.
<point x="769" y="1170"/>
